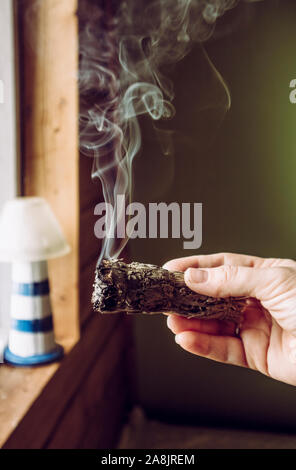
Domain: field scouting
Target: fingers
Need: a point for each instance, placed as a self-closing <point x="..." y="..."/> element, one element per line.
<point x="212" y="261"/>
<point x="233" y="281"/>
<point x="218" y="348"/>
<point x="177" y="324"/>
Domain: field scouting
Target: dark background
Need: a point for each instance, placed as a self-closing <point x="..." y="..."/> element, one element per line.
<point x="241" y="165"/>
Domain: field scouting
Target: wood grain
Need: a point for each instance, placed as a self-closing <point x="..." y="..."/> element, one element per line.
<point x="47" y="411"/>
<point x="19" y="388"/>
<point x="81" y="401"/>
<point x="90" y="246"/>
<point x="89" y="403"/>
<point x="91" y="193"/>
<point x="86" y="282"/>
<point x="50" y="137"/>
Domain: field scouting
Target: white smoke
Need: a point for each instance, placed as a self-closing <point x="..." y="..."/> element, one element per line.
<point x="123" y="55"/>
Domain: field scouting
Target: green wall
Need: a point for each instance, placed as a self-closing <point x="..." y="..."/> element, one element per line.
<point x="243" y="170"/>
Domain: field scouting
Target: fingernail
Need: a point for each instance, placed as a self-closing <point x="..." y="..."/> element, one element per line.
<point x="177" y="339"/>
<point x="196" y="275"/>
<point x="292" y="343"/>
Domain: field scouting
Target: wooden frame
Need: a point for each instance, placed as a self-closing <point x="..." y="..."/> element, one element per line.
<point x="50" y="138"/>
<point x="81" y="402"/>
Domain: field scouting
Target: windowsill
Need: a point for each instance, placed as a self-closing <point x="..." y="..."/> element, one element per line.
<point x="19" y="389"/>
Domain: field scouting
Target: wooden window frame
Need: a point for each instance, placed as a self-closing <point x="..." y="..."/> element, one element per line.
<point x="81" y="401"/>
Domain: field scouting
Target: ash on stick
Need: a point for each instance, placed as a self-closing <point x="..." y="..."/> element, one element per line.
<point x="144" y="288"/>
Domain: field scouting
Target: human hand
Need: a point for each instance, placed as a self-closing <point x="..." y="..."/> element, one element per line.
<point x="267" y="339"/>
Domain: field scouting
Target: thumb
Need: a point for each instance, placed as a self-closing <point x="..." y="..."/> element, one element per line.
<point x="230" y="281"/>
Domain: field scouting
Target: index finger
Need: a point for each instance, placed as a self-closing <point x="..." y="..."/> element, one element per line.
<point x="212" y="261"/>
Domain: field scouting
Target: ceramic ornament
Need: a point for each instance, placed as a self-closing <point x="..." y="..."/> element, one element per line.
<point x="29" y="236"/>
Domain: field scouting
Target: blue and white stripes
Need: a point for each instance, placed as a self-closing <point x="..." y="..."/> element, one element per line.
<point x="42" y="325"/>
<point x="31" y="337"/>
<point x="31" y="289"/>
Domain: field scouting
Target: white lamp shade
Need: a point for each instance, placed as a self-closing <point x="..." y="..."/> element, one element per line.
<point x="29" y="231"/>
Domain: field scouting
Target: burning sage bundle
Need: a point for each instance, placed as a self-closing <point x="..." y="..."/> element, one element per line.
<point x="145" y="288"/>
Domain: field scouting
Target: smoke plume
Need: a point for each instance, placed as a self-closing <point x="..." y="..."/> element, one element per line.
<point x="124" y="53"/>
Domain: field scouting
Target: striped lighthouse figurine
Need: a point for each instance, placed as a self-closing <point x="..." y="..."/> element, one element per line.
<point x="29" y="236"/>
